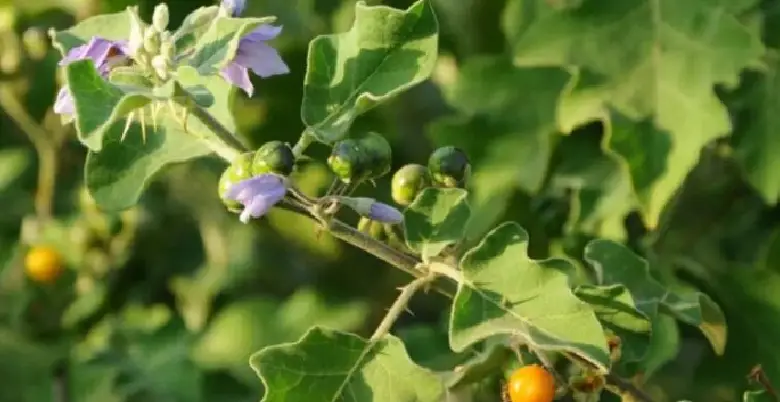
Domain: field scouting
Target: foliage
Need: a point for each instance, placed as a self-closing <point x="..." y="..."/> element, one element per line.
<point x="560" y="184"/>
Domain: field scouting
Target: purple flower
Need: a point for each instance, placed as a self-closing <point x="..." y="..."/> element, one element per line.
<point x="236" y="7"/>
<point x="257" y="195"/>
<point x="104" y="53"/>
<point x="256" y="55"/>
<point x="384" y="213"/>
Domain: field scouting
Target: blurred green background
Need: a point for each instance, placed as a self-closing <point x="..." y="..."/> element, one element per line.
<point x="166" y="301"/>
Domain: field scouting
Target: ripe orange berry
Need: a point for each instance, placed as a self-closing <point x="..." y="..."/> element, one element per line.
<point x="531" y="384"/>
<point x="43" y="264"/>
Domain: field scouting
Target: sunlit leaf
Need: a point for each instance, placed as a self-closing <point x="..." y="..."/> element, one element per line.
<point x="326" y="365"/>
<point x="670" y="57"/>
<point x="504" y="292"/>
<point x="386" y="52"/>
<point x="615" y="264"/>
<point x="436" y="219"/>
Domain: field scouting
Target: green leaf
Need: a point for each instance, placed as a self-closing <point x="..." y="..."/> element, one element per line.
<point x="386" y="52"/>
<point x="756" y="145"/>
<point x="598" y="184"/>
<point x="436" y="219"/>
<point x="504" y="292"/>
<point x="483" y="365"/>
<point x="99" y="105"/>
<point x="326" y="365"/>
<point x="617" y="312"/>
<point x="615" y="264"/>
<point x="219" y="43"/>
<point x="245" y="323"/>
<point x="671" y="55"/>
<point x="113" y="27"/>
<point x="117" y="175"/>
<point x="509" y="146"/>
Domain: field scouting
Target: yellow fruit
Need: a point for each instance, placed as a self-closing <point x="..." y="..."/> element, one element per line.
<point x="43" y="264"/>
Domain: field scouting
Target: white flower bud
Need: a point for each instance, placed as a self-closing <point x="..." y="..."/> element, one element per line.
<point x="160" y="65"/>
<point x="136" y="40"/>
<point x="160" y="17"/>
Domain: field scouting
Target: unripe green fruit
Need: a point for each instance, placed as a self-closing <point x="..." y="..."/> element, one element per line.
<point x="273" y="157"/>
<point x="407" y="183"/>
<point x="372" y="228"/>
<point x="362" y="158"/>
<point x="449" y="167"/>
<point x="347" y="161"/>
<point x="378" y="154"/>
<point x="239" y="170"/>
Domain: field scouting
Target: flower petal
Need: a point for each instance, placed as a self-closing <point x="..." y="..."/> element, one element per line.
<point x="261" y="58"/>
<point x="255" y="185"/>
<point x="238" y="75"/>
<point x="261" y="204"/>
<point x="385" y="213"/>
<point x="263" y="33"/>
<point x="235" y="6"/>
<point x="64" y="103"/>
<point x="97" y="49"/>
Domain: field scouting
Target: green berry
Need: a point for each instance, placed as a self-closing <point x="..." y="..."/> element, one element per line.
<point x="449" y="167"/>
<point x="407" y="183"/>
<point x="347" y="161"/>
<point x="273" y="157"/>
<point x="378" y="154"/>
<point x="239" y="170"/>
<point x="372" y="228"/>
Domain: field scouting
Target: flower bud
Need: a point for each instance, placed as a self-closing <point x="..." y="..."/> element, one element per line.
<point x="160" y="65"/>
<point x="35" y="43"/>
<point x="168" y="48"/>
<point x="238" y="171"/>
<point x="151" y="41"/>
<point x="160" y="17"/>
<point x="372" y="209"/>
<point x="135" y="41"/>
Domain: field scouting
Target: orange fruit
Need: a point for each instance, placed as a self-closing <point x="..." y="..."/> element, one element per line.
<point x="43" y="264"/>
<point x="531" y="384"/>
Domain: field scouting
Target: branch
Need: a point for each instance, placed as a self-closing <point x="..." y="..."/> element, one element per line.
<point x="400" y="304"/>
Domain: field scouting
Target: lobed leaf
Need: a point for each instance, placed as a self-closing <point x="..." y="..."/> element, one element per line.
<point x="98" y="104"/>
<point x="665" y="67"/>
<point x="616" y="264"/>
<point x="113" y="27"/>
<point x="386" y="52"/>
<point x="329" y="366"/>
<point x="617" y="312"/>
<point x="117" y="175"/>
<point x="436" y="219"/>
<point x="504" y="292"/>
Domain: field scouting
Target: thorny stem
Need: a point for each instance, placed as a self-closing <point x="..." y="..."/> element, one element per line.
<point x="390" y="255"/>
<point x="400" y="304"/>
<point x="45" y="146"/>
<point x="225" y="135"/>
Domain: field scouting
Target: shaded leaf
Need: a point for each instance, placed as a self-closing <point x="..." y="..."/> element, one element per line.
<point x="615" y="264"/>
<point x="664" y="68"/>
<point x="436" y="219"/>
<point x="386" y="52"/>
<point x="504" y="292"/>
<point x="616" y="310"/>
<point x="326" y="365"/>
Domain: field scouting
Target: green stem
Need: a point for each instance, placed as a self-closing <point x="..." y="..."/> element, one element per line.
<point x="304" y="141"/>
<point x="235" y="145"/>
<point x="400" y="305"/>
<point x="44" y="146"/>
